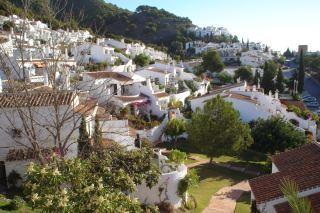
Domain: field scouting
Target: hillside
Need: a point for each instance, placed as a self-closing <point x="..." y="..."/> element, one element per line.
<point x="148" y="24"/>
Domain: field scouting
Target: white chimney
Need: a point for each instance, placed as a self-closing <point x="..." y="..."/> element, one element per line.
<point x="149" y="85"/>
<point x="270" y="93"/>
<point x="66" y="53"/>
<point x="254" y="88"/>
<point x="276" y="94"/>
<point x="67" y="79"/>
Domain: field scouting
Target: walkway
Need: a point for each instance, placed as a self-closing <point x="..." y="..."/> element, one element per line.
<point x="225" y="200"/>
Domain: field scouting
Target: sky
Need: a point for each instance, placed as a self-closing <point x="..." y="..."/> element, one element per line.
<point x="277" y="23"/>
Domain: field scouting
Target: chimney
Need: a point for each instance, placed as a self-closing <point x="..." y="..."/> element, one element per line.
<point x="149" y="85"/>
<point x="66" y="53"/>
<point x="276" y="94"/>
<point x="270" y="93"/>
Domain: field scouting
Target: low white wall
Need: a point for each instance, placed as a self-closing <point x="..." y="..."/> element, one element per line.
<point x="181" y="96"/>
<point x="169" y="183"/>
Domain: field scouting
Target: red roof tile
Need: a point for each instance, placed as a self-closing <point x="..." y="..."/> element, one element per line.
<point x="115" y="75"/>
<point x="267" y="187"/>
<point x="35" y="99"/>
<point x="308" y="154"/>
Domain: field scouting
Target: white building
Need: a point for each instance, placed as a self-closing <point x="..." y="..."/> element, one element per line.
<point x="300" y="165"/>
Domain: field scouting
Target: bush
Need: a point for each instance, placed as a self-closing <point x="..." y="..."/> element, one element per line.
<point x="177" y="157"/>
<point x="191" y="179"/>
<point x="191" y="203"/>
<point x="166" y="207"/>
<point x="16" y="203"/>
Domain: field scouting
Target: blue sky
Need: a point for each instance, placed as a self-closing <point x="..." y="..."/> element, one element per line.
<point x="279" y="23"/>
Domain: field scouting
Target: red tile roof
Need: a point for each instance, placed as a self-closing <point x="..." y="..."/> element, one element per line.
<point x="161" y="95"/>
<point x="314" y="200"/>
<point x="308" y="154"/>
<point x="266" y="188"/>
<point x="35" y="99"/>
<point x="115" y="75"/>
<point x="218" y="90"/>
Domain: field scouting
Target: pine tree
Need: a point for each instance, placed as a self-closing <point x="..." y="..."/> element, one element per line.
<point x="301" y="72"/>
<point x="279" y="84"/>
<point x="97" y="134"/>
<point x="83" y="140"/>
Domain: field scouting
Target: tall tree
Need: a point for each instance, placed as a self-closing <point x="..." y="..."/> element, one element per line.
<point x="301" y="73"/>
<point x="279" y="81"/>
<point x="83" y="140"/>
<point x="244" y="73"/>
<point x="217" y="129"/>
<point x="212" y="61"/>
<point x="269" y="73"/>
<point x="97" y="134"/>
<point x="275" y="134"/>
<point x="257" y="77"/>
<point x="142" y="60"/>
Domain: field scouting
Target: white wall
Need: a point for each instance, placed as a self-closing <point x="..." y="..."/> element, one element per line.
<point x="167" y="181"/>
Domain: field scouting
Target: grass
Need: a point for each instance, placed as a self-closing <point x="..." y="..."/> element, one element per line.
<point x="211" y="180"/>
<point x="249" y="159"/>
<point x="243" y="204"/>
<point x="4" y="207"/>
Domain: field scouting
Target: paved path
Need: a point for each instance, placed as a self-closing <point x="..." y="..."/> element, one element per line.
<point x="225" y="200"/>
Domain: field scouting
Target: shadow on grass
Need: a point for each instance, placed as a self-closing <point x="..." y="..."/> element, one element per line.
<point x="217" y="173"/>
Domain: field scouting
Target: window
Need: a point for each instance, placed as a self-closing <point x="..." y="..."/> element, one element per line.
<point x="16" y="133"/>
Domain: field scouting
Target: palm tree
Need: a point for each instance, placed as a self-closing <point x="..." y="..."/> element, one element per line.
<point x="290" y="190"/>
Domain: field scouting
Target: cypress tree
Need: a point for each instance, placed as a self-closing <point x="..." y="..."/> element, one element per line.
<point x="279" y="84"/>
<point x="256" y="77"/>
<point x="269" y="73"/>
<point x="83" y="140"/>
<point x="97" y="134"/>
<point x="301" y="72"/>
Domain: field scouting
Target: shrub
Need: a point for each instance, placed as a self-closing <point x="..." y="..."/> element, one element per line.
<point x="177" y="156"/>
<point x="166" y="207"/>
<point x="16" y="203"/>
<point x="191" y="179"/>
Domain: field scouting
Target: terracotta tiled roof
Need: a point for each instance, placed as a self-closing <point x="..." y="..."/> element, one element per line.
<point x="218" y="90"/>
<point x="314" y="200"/>
<point x="299" y="104"/>
<point x="128" y="99"/>
<point x="34" y="99"/>
<point x="115" y="75"/>
<point x="306" y="155"/>
<point x="242" y="97"/>
<point x="161" y="95"/>
<point x="266" y="188"/>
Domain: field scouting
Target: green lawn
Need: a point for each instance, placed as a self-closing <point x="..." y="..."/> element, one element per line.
<point x="211" y="180"/>
<point x="249" y="159"/>
<point x="24" y="209"/>
<point x="243" y="204"/>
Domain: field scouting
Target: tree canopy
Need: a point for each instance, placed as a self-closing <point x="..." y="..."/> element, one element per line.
<point x="217" y="129"/>
<point x="212" y="61"/>
<point x="275" y="135"/>
<point x="269" y="73"/>
<point x="99" y="183"/>
<point x="244" y="73"/>
<point x="174" y="128"/>
<point x="142" y="60"/>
